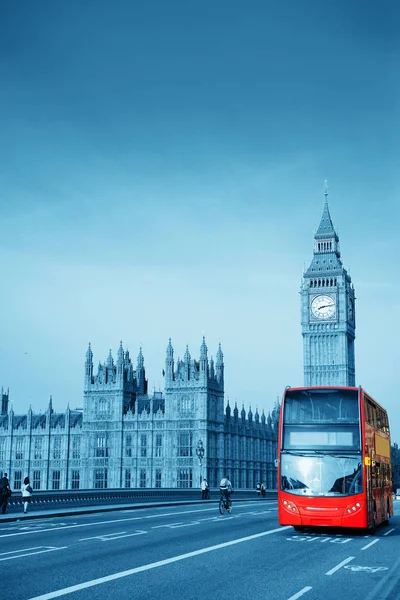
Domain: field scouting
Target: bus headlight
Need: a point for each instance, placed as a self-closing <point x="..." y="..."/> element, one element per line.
<point x="352" y="508"/>
<point x="290" y="506"/>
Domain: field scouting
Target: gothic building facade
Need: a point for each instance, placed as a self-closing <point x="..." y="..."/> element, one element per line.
<point x="125" y="437"/>
<point x="328" y="312"/>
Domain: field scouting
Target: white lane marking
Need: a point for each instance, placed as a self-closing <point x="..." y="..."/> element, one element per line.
<point x="390" y="531"/>
<point x="358" y="568"/>
<point x="369" y="545"/>
<point x="160" y="563"/>
<point x="102" y="535"/>
<point x="301" y="593"/>
<point x="109" y="537"/>
<point x="155" y="516"/>
<point x="167" y="525"/>
<point x="340" y="565"/>
<point x="23" y="550"/>
<point x="22" y="555"/>
<point x="124" y="536"/>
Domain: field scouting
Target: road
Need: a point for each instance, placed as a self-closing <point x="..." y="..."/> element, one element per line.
<point x="192" y="553"/>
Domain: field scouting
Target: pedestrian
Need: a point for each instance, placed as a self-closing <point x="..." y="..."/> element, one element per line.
<point x="258" y="488"/>
<point x="5" y="493"/>
<point x="26" y="493"/>
<point x="204" y="489"/>
<point x="263" y="490"/>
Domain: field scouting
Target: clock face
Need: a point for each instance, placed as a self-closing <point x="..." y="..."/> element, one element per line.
<point x="323" y="307"/>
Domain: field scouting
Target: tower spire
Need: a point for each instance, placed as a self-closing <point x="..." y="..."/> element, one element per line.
<point x="326" y="189"/>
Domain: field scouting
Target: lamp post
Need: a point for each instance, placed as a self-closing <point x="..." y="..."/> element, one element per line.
<point x="200" y="455"/>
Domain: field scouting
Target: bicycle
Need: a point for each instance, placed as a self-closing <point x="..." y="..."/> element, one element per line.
<point x="225" y="505"/>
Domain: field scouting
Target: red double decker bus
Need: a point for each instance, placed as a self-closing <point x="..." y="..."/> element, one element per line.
<point x="334" y="466"/>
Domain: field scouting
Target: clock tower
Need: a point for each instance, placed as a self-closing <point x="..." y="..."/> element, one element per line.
<point x="327" y="311"/>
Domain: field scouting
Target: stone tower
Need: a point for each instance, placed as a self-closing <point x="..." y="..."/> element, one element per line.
<point x="327" y="311"/>
<point x="194" y="407"/>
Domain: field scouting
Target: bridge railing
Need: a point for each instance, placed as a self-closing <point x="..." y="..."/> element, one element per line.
<point x="76" y="498"/>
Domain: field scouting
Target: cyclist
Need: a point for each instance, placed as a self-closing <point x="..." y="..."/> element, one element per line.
<point x="225" y="488"/>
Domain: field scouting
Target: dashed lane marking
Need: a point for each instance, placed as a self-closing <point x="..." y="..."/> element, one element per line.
<point x="369" y="545"/>
<point x="23" y="553"/>
<point x="109" y="537"/>
<point x="301" y="593"/>
<point x="340" y="565"/>
<point x="360" y="568"/>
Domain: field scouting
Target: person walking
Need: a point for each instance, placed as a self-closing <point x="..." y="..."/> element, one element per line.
<point x="263" y="490"/>
<point x="258" y="488"/>
<point x="26" y="493"/>
<point x="204" y="489"/>
<point x="5" y="493"/>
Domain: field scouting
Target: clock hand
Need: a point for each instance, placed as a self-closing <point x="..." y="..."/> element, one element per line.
<point x="325" y="306"/>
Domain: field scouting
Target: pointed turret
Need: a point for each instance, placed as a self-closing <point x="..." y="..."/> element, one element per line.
<point x="110" y="360"/>
<point x="212" y="370"/>
<point x="243" y="413"/>
<point x="256" y="416"/>
<point x="203" y="348"/>
<point x="236" y="412"/>
<point x="326" y="243"/>
<point x="203" y="358"/>
<point x="228" y="411"/>
<point x="219" y="365"/>
<point x="187" y="356"/>
<point x="326" y="228"/>
<point x="140" y="373"/>
<point x="89" y="366"/>
<point x="263" y="418"/>
<point x="89" y="354"/>
<point x="186" y="361"/>
<point x="250" y="415"/>
<point x="120" y="355"/>
<point x="169" y="364"/>
<point x="120" y="361"/>
<point x="140" y="359"/>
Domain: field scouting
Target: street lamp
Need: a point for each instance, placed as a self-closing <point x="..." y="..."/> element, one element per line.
<point x="200" y="455"/>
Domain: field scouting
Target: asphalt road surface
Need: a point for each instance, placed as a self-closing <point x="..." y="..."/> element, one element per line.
<point x="193" y="553"/>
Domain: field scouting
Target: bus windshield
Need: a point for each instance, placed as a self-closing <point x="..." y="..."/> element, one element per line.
<point x="321" y="474"/>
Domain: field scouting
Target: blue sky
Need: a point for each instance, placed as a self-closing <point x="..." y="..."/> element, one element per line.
<point x="161" y="175"/>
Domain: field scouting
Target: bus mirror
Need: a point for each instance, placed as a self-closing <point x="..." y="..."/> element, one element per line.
<point x="276" y="463"/>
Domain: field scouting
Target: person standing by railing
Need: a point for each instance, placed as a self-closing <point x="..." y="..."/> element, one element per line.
<point x="5" y="493"/>
<point x="26" y="493"/>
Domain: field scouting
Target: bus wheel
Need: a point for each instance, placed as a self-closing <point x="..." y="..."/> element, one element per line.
<point x="298" y="527"/>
